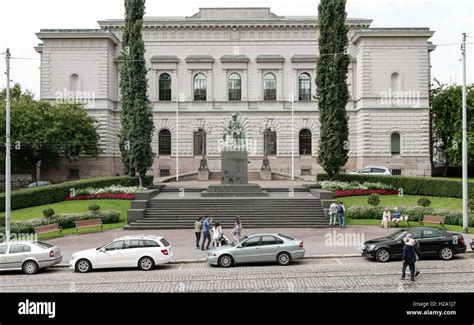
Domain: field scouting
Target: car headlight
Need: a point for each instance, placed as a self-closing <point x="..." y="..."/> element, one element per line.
<point x="211" y="254"/>
<point x="73" y="257"/>
<point x="371" y="247"/>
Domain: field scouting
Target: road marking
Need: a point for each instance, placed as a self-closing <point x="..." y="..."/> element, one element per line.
<point x="338" y="261"/>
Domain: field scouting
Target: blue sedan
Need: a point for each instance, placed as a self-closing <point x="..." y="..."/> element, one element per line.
<point x="258" y="248"/>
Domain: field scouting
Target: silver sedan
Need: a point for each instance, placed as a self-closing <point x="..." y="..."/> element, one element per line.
<point x="29" y="256"/>
<point x="258" y="248"/>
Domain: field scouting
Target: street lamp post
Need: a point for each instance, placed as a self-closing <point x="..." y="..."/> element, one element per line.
<point x="7" y="153"/>
<point x="464" y="140"/>
<point x="292" y="97"/>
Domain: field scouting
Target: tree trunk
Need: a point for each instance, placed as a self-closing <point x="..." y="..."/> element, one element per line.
<point x="38" y="171"/>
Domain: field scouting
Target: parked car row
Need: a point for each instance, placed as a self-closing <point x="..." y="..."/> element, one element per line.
<point x="147" y="251"/>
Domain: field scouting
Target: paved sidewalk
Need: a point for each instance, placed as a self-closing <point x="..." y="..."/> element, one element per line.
<point x="317" y="241"/>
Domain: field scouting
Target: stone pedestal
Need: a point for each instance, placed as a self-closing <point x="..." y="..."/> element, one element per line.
<point x="203" y="174"/>
<point x="234" y="178"/>
<point x="266" y="174"/>
<point x="234" y="167"/>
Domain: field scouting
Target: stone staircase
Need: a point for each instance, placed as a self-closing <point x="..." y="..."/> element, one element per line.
<point x="276" y="211"/>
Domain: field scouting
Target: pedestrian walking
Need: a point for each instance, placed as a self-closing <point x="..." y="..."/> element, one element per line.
<point x="409" y="258"/>
<point x="385" y="218"/>
<point x="341" y="209"/>
<point x="333" y="214"/>
<point x="198" y="230"/>
<point x="237" y="230"/>
<point x="206" y="233"/>
<point x="216" y="235"/>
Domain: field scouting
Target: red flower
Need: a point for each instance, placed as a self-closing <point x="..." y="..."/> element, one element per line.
<point x="104" y="196"/>
<point x="360" y="192"/>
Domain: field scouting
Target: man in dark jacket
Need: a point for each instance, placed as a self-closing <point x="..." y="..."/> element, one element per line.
<point x="409" y="259"/>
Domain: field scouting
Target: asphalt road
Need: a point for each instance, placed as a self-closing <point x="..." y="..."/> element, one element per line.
<point x="308" y="275"/>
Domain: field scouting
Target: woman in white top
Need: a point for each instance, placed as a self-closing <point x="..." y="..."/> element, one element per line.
<point x="386" y="218"/>
<point x="217" y="234"/>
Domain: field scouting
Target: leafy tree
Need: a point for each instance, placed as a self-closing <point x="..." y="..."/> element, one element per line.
<point x="136" y="115"/>
<point x="446" y="111"/>
<point x="331" y="84"/>
<point x="42" y="133"/>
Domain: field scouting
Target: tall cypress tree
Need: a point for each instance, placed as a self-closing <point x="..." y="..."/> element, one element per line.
<point x="136" y="115"/>
<point x="331" y="84"/>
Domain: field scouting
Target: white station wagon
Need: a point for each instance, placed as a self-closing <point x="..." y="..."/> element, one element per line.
<point x="143" y="252"/>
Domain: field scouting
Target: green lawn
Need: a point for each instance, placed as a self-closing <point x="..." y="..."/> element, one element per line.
<point x="405" y="200"/>
<point x="74" y="207"/>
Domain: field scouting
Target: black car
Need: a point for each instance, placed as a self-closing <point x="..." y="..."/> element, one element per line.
<point x="433" y="243"/>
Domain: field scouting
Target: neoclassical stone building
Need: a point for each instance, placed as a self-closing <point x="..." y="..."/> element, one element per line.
<point x="252" y="62"/>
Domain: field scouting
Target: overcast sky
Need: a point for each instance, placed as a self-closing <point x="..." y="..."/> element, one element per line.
<point x="20" y="19"/>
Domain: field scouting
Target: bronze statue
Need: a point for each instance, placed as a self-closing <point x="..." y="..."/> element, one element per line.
<point x="234" y="135"/>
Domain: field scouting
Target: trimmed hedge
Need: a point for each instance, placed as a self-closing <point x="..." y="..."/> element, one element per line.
<point x="65" y="221"/>
<point x="412" y="185"/>
<point x="26" y="198"/>
<point x="415" y="214"/>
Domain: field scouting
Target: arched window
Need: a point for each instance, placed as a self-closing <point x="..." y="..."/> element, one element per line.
<point x="74" y="82"/>
<point x="164" y="92"/>
<point x="304" y="86"/>
<point x="200" y="87"/>
<point x="235" y="87"/>
<point x="395" y="143"/>
<point x="200" y="145"/>
<point x="305" y="142"/>
<point x="395" y="81"/>
<point x="270" y="142"/>
<point x="269" y="86"/>
<point x="164" y="142"/>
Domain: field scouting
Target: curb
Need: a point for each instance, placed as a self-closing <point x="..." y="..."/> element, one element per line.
<point x="308" y="257"/>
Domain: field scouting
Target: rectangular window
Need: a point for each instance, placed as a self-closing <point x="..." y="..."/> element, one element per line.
<point x="199" y="143"/>
<point x="164" y="172"/>
<point x="397" y="172"/>
<point x="305" y="172"/>
<point x="74" y="173"/>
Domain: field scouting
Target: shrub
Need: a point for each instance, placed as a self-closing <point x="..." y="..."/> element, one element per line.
<point x="373" y="199"/>
<point x="26" y="198"/>
<point x="470" y="204"/>
<point x="424" y="186"/>
<point x="415" y="213"/>
<point x="48" y="213"/>
<point x="65" y="221"/>
<point x="424" y="202"/>
<point x="94" y="208"/>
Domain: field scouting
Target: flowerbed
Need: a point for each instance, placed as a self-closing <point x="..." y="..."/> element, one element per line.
<point x="105" y="196"/>
<point x="360" y="192"/>
<point x="343" y="186"/>
<point x="114" y="189"/>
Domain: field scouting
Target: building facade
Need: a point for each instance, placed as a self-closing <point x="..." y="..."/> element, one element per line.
<point x="220" y="61"/>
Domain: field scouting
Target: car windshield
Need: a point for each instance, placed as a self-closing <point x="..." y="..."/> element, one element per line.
<point x="285" y="236"/>
<point x="43" y="245"/>
<point x="104" y="245"/>
<point x="397" y="235"/>
<point x="240" y="241"/>
<point x="164" y="242"/>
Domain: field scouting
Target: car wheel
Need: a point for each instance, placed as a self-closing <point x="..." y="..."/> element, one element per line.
<point x="30" y="267"/>
<point x="284" y="258"/>
<point x="146" y="264"/>
<point x="446" y="253"/>
<point x="382" y="255"/>
<point x="83" y="266"/>
<point x="226" y="261"/>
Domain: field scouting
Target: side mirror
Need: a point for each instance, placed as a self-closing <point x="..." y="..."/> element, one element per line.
<point x="239" y="246"/>
<point x="102" y="250"/>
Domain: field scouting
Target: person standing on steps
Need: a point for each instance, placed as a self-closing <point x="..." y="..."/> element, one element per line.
<point x="333" y="214"/>
<point x="206" y="233"/>
<point x="341" y="209"/>
<point x="198" y="230"/>
<point x="217" y="235"/>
